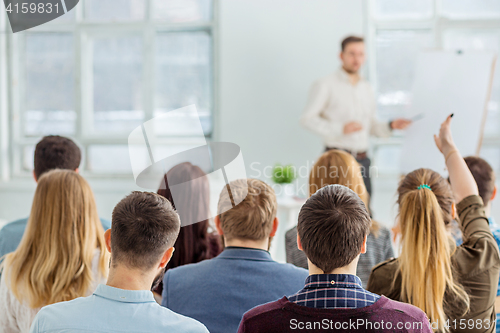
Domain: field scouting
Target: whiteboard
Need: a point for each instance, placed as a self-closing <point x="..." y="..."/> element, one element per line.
<point x="447" y="82"/>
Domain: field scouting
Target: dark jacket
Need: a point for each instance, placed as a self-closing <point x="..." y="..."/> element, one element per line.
<point x="477" y="267"/>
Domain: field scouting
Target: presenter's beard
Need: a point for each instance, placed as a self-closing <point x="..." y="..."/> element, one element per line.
<point x="158" y="279"/>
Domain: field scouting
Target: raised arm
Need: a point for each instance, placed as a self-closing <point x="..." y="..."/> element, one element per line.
<point x="461" y="179"/>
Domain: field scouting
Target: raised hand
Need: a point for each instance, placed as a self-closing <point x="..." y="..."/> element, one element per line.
<point x="444" y="141"/>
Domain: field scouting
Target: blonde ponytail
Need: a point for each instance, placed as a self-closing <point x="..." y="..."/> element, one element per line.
<point x="425" y="263"/>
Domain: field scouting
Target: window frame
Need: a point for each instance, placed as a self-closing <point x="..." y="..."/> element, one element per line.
<point x="437" y="24"/>
<point x="15" y="140"/>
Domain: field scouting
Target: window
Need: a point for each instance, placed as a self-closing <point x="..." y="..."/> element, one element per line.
<point x="403" y="9"/>
<point x="400" y="28"/>
<point x="103" y="69"/>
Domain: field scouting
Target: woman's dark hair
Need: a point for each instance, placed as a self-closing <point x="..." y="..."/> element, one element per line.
<point x="194" y="242"/>
<point x="56" y="152"/>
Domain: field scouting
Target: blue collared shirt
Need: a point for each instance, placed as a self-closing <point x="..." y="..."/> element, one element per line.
<point x="113" y="310"/>
<point x="334" y="291"/>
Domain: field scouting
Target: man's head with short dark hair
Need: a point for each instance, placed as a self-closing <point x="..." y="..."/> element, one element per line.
<point x="484" y="175"/>
<point x="332" y="227"/>
<point x="56" y="152"/>
<point x="351" y="39"/>
<point x="353" y="54"/>
<point x="144" y="225"/>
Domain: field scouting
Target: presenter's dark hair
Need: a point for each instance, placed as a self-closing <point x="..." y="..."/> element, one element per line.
<point x="144" y="225"/>
<point x="56" y="152"/>
<point x="351" y="39"/>
<point x="332" y="226"/>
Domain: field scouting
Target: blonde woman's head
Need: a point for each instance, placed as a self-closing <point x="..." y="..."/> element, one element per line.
<point x="53" y="262"/>
<point x="337" y="167"/>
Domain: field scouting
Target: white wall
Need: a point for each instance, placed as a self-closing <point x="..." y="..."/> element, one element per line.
<point x="270" y="53"/>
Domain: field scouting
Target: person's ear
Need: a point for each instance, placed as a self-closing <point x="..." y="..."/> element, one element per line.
<point x="275" y="227"/>
<point x="107" y="239"/>
<point x="217" y="225"/>
<point x="494" y="194"/>
<point x="453" y="211"/>
<point x="363" y="246"/>
<point x="341" y="55"/>
<point x="34" y="176"/>
<point x="77" y="170"/>
<point x="299" y="243"/>
<point x="166" y="257"/>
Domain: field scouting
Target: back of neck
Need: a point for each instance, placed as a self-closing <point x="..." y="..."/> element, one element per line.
<point x="252" y="244"/>
<point x="125" y="278"/>
<point x="349" y="269"/>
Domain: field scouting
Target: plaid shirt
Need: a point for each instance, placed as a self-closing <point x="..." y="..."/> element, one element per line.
<point x="334" y="291"/>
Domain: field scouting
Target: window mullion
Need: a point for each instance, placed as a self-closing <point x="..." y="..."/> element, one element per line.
<point x="87" y="93"/>
<point x="17" y="80"/>
<point x="148" y="71"/>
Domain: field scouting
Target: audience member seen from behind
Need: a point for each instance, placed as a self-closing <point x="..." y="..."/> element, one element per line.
<point x="452" y="285"/>
<point x="332" y="227"/>
<point x="52" y="152"/>
<point x="218" y="291"/>
<point x="144" y="229"/>
<point x="192" y="202"/>
<point x="339" y="167"/>
<point x="61" y="255"/>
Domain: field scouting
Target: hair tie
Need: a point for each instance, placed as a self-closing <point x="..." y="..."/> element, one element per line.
<point x="424" y="186"/>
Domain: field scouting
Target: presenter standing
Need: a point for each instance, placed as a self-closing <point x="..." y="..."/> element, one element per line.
<point x="342" y="108"/>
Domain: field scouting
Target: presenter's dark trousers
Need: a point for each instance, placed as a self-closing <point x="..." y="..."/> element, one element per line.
<point x="365" y="162"/>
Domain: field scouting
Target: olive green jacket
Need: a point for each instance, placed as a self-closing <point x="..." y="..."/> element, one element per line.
<point x="476" y="266"/>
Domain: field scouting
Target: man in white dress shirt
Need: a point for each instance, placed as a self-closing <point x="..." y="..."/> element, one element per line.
<point x="342" y="108"/>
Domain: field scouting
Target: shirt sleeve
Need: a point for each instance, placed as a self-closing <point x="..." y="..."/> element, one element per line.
<point x="479" y="250"/>
<point x="312" y="118"/>
<point x="473" y="221"/>
<point x="377" y="128"/>
<point x="477" y="259"/>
